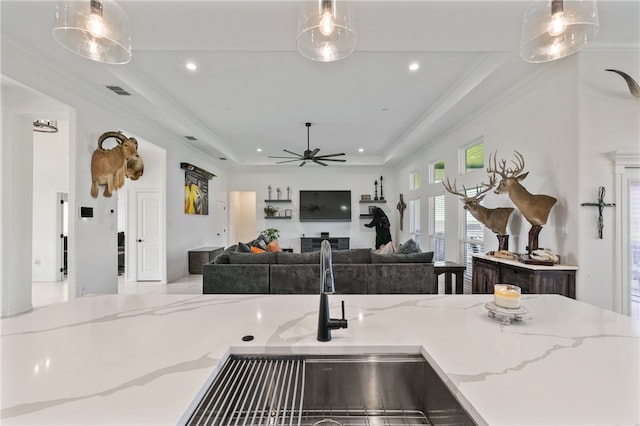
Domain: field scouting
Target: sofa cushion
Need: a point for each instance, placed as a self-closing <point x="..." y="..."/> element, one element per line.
<point x="426" y="257"/>
<point x="351" y="256"/>
<point x="262" y="258"/>
<point x="298" y="258"/>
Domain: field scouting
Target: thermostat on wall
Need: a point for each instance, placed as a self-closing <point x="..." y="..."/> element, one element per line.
<point x="86" y="211"/>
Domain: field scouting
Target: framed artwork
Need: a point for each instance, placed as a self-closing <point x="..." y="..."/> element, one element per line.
<point x="196" y="189"/>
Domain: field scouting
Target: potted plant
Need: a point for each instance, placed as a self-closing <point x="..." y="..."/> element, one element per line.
<point x="271" y="234"/>
<point x="269" y="211"/>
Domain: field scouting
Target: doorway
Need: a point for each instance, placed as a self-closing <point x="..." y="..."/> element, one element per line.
<point x="62" y="231"/>
<point x="242" y="212"/>
<point x="631" y="230"/>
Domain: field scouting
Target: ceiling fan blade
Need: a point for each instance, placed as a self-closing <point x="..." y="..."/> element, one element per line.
<point x="331" y="159"/>
<point x="271" y="156"/>
<point x="315" y="160"/>
<point x="293" y="153"/>
<point x="287" y="161"/>
<point x="303" y="163"/>
<point x="314" y="152"/>
<point x="331" y="155"/>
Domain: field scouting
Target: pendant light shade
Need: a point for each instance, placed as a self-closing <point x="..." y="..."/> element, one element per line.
<point x="557" y="28"/>
<point x="325" y="31"/>
<point x="95" y="29"/>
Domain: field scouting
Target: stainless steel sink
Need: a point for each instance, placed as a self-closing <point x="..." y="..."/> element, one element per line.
<point x="328" y="390"/>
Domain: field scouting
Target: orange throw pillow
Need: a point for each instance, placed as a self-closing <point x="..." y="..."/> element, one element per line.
<point x="256" y="250"/>
<point x="274" y="246"/>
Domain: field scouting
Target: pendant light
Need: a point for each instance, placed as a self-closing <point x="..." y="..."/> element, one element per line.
<point x="325" y="31"/>
<point x="95" y="29"/>
<point x="554" y="29"/>
<point x="45" y="126"/>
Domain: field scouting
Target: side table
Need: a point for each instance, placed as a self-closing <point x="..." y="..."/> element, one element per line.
<point x="200" y="256"/>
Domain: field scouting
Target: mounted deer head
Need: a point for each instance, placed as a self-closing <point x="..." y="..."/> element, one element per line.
<point x="494" y="219"/>
<point x="535" y="208"/>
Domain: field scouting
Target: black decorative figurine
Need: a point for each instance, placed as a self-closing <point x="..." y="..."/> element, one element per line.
<point x="376" y="193"/>
<point x="381" y="193"/>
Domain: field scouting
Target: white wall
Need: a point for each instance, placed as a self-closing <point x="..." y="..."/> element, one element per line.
<point x="92" y="242"/>
<point x="51" y="175"/>
<point x="563" y="123"/>
<point x="609" y="120"/>
<point x="359" y="180"/>
<point x="16" y="206"/>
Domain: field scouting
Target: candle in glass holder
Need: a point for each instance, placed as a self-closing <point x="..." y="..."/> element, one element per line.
<point x="507" y="296"/>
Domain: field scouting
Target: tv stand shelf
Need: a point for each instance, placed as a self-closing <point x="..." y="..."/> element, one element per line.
<point x="313" y="244"/>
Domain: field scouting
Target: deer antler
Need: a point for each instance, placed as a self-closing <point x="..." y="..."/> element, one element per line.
<point x="505" y="172"/>
<point x="479" y="192"/>
<point x="453" y="189"/>
<point x="487" y="187"/>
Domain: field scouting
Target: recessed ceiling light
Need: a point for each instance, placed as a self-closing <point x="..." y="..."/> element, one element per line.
<point x="414" y="66"/>
<point x="259" y="149"/>
<point x="191" y="66"/>
<point x="360" y="149"/>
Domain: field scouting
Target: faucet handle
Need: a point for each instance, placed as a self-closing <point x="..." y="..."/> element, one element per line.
<point x="343" y="310"/>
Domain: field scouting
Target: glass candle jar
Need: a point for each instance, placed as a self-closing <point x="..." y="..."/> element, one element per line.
<point x="507" y="296"/>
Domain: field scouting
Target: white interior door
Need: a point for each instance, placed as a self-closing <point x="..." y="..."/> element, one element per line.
<point x="149" y="236"/>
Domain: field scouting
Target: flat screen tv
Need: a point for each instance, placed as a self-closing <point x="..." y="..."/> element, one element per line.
<point x="325" y="206"/>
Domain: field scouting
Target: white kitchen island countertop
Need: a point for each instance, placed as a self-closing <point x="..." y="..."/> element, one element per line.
<point x="142" y="359"/>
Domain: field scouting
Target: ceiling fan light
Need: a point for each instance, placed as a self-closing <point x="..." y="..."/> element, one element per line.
<point x="554" y="29"/>
<point x="95" y="29"/>
<point x="325" y="31"/>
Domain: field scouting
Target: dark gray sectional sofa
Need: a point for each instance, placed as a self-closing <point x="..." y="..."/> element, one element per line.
<point x="357" y="271"/>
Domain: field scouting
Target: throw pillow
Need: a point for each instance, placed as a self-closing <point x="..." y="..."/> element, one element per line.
<point x="409" y="247"/>
<point x="243" y="248"/>
<point x="255" y="249"/>
<point x="274" y="246"/>
<point x="260" y="242"/>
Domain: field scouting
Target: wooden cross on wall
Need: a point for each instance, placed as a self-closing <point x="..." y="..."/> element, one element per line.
<point x="601" y="205"/>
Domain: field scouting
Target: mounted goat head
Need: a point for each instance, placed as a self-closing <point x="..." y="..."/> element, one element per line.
<point x="535" y="208"/>
<point x="494" y="219"/>
<point x="109" y="167"/>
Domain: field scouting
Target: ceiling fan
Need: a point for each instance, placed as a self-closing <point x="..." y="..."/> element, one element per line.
<point x="310" y="155"/>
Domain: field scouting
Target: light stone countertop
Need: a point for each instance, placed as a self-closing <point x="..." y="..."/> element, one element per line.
<point x="557" y="266"/>
<point x="142" y="359"/>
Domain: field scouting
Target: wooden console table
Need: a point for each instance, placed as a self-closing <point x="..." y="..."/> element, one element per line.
<point x="449" y="269"/>
<point x="200" y="256"/>
<point x="313" y="244"/>
<point x="556" y="279"/>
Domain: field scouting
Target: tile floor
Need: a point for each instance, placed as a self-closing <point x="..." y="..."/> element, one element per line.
<point x="48" y="293"/>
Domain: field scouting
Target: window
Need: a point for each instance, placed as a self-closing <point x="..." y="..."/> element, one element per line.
<point x="474" y="156"/>
<point x="438" y="171"/>
<point x="414" y="180"/>
<point x="414" y="220"/>
<point x="473" y="238"/>
<point x="437" y="227"/>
